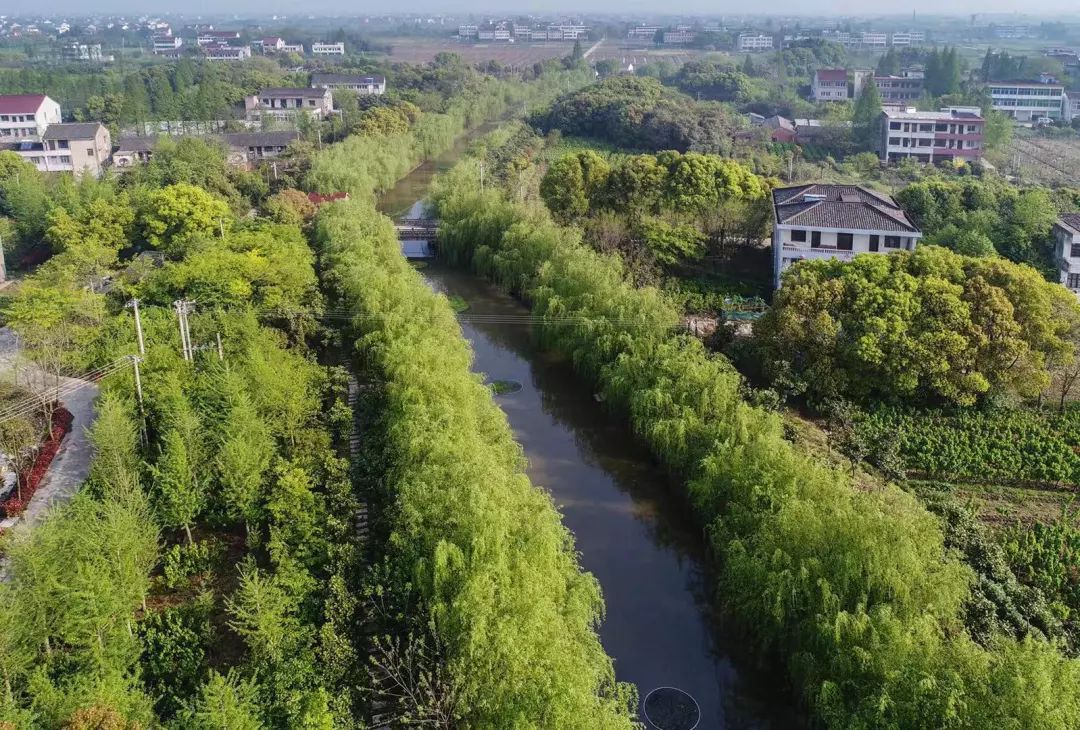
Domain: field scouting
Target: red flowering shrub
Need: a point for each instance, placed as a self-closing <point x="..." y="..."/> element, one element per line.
<point x="61" y="425"/>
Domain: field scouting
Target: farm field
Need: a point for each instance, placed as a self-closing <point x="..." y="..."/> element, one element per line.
<point x="423" y="50"/>
<point x="1044" y="160"/>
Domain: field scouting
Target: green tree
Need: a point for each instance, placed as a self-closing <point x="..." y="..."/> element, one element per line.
<point x="226" y="703"/>
<point x="176" y="216"/>
<point x="866" y="117"/>
<point x="179" y="495"/>
<point x="243" y="460"/>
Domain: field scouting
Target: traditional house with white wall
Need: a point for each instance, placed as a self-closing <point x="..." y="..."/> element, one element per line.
<point x="1067" y="250"/>
<point x="836" y="222"/>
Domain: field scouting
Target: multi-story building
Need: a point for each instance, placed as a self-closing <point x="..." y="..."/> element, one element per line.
<point x="829" y="84"/>
<point x="836" y="222"/>
<point x="81" y="148"/>
<point x="362" y="85"/>
<point x="467" y="31"/>
<point x="874" y="40"/>
<point x="752" y="42"/>
<point x="954" y="133"/>
<point x="82" y="52"/>
<point x="167" y="43"/>
<point x="642" y="33"/>
<point x="327" y="49"/>
<point x="284" y="104"/>
<point x="908" y="38"/>
<point x="24" y="117"/>
<point x="270" y="45"/>
<point x="1028" y="101"/>
<point x="901" y="89"/>
<point x="226" y="53"/>
<point x="678" y="37"/>
<point x="1014" y="31"/>
<point x="1067" y="250"/>
<point x="1071" y="107"/>
<point x="217" y="37"/>
<point x="293" y="48"/>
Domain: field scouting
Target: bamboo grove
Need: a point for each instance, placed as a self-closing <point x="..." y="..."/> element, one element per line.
<point x="854" y="588"/>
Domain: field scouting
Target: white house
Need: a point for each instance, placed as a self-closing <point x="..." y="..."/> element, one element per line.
<point x="24" y="117"/>
<point x="327" y="49"/>
<point x="285" y="104"/>
<point x="352" y="82"/>
<point x="829" y="84"/>
<point x="836" y="222"/>
<point x="1028" y="101"/>
<point x="1067" y="250"/>
<point x="750" y="42"/>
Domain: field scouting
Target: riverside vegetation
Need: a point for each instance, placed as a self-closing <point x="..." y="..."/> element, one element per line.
<point x="854" y="588"/>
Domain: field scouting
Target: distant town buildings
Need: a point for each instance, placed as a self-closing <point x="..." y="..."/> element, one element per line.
<point x="754" y="42"/>
<point x="836" y="222"/>
<point x="1067" y="250"/>
<point x="643" y="33"/>
<point x="82" y="52"/>
<point x="352" y="82"/>
<point x="24" y="117"/>
<point x="166" y="43"/>
<point x="678" y="37"/>
<point x="226" y="53"/>
<point x="285" y="104"/>
<point x="954" y="133"/>
<point x="505" y="31"/>
<point x="217" y="37"/>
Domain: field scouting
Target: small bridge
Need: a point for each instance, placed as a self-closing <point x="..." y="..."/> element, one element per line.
<point x="418" y="236"/>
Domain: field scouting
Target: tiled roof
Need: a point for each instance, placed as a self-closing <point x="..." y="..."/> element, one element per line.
<point x="21" y="103"/>
<point x="259" y="139"/>
<point x="839" y="206"/>
<point x="1071" y="220"/>
<point x="346" y="79"/>
<point x="832" y="74"/>
<point x="136" y="144"/>
<point x="75" y="130"/>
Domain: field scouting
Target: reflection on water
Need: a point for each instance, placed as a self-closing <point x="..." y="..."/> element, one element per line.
<point x="632" y="533"/>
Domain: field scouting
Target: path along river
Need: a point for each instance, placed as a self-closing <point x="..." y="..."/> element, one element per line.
<point x="633" y="534"/>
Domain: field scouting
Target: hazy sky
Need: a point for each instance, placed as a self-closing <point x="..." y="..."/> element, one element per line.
<point x="622" y="7"/>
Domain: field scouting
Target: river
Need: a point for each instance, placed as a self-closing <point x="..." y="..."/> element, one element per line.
<point x="632" y="532"/>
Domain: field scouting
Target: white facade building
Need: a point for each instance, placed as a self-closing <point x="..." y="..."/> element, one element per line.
<point x="751" y="42"/>
<point x="835" y="222"/>
<point x="327" y="49"/>
<point x="954" y="133"/>
<point x="352" y="82"/>
<point x="829" y="84"/>
<point x="24" y="117"/>
<point x="285" y="104"/>
<point x="1067" y="250"/>
<point x="1028" y="101"/>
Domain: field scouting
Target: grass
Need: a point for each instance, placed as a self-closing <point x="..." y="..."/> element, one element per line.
<point x="502" y="387"/>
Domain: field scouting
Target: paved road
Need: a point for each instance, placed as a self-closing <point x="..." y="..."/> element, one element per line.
<point x="71" y="465"/>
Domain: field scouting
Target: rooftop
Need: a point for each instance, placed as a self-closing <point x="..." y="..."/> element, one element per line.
<point x="1071" y="221"/>
<point x="849" y="207"/>
<point x="21" y="103"/>
<point x="346" y="79"/>
<point x="832" y="74"/>
<point x="1026" y="82"/>
<point x="944" y="114"/>
<point x="297" y="91"/>
<point x="75" y="130"/>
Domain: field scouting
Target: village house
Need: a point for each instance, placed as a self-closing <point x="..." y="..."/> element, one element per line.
<point x="821" y="221"/>
<point x="1067" y="250"/>
<point x="25" y="117"/>
<point x="284" y="104"/>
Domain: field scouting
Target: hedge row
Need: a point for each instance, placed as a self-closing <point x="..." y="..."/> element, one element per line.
<point x="494" y="568"/>
<point x="854" y="587"/>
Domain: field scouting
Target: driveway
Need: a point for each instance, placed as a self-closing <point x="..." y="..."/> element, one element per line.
<point x="71" y="465"/>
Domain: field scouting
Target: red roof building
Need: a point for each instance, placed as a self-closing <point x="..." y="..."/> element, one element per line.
<point x="24" y="117"/>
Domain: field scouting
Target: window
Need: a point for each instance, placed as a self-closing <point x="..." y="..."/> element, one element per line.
<point x="89" y="152"/>
<point x="1073" y="281"/>
<point x="1075" y="252"/>
<point x="892" y="241"/>
<point x="815" y="239"/>
<point x="894" y="125"/>
<point x="894" y="141"/>
<point x="939" y="143"/>
<point x="799" y="236"/>
<point x="845" y="241"/>
<point x="924" y="142"/>
<point x="875" y="243"/>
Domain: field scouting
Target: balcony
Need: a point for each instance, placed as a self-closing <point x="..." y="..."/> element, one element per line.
<point x="793" y="252"/>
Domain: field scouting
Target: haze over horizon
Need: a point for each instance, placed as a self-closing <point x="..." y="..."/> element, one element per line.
<point x="623" y="7"/>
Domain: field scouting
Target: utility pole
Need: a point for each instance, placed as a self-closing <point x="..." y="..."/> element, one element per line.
<point x="185" y="333"/>
<point x="481" y="177"/>
<point x="135" y="360"/>
<point x="220" y="351"/>
<point x="134" y="304"/>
